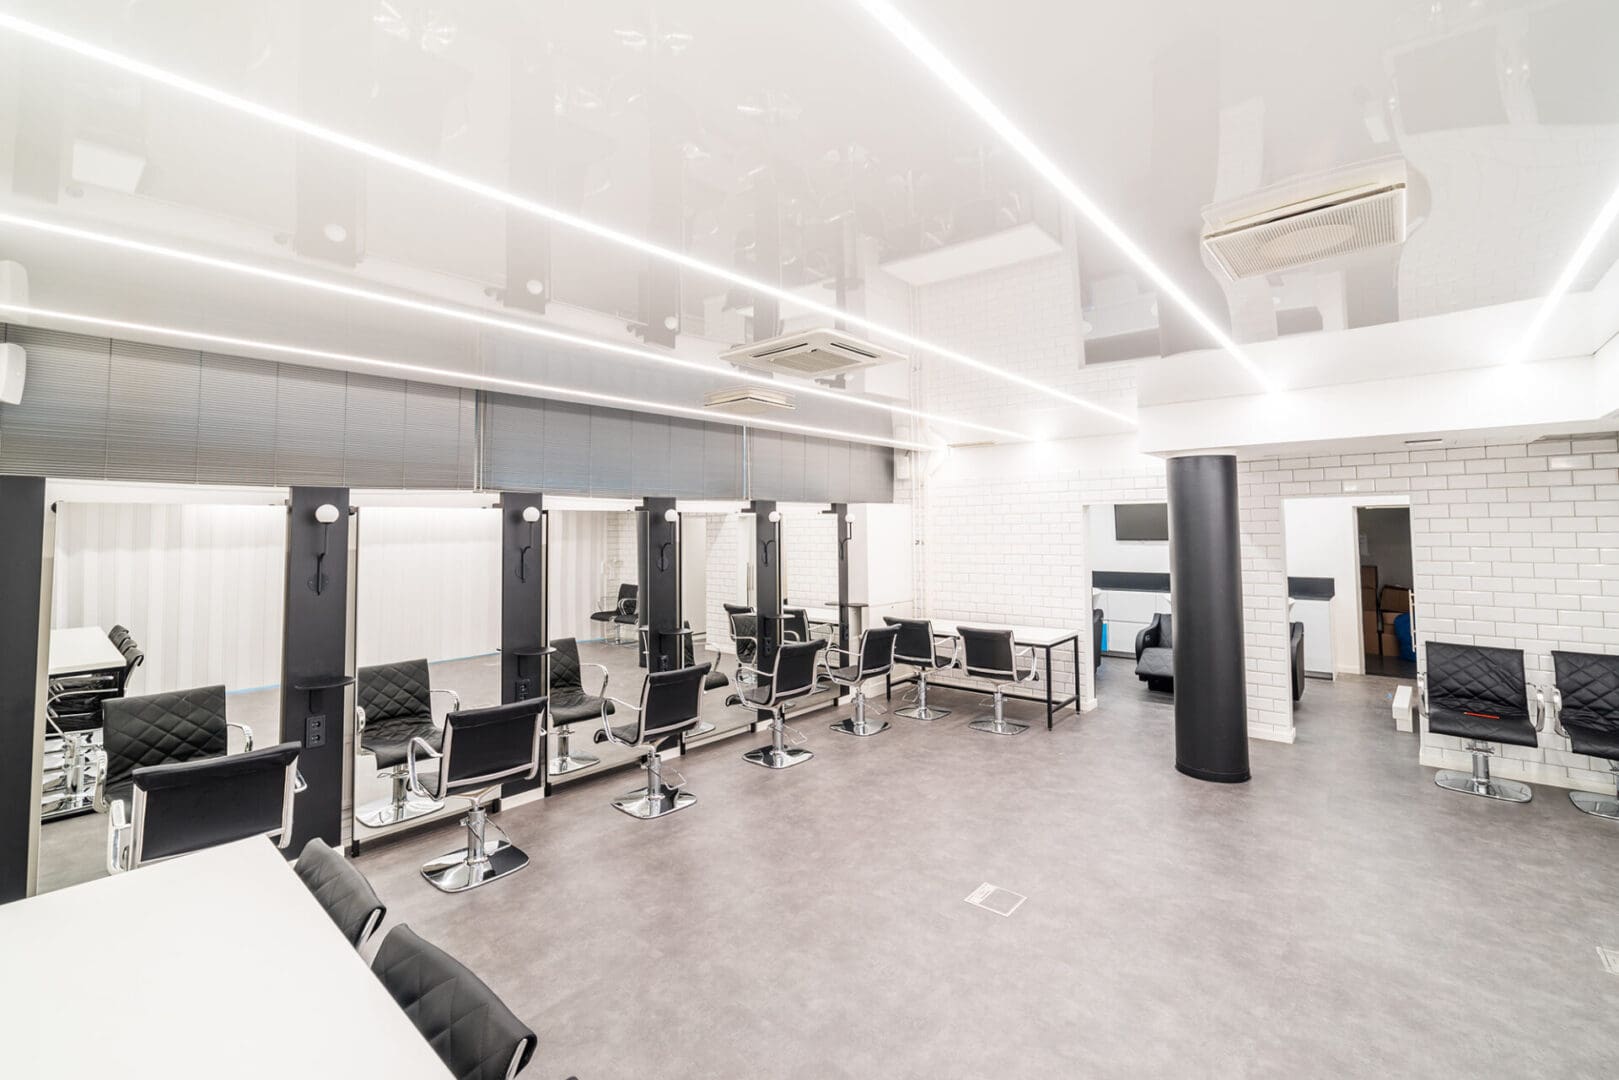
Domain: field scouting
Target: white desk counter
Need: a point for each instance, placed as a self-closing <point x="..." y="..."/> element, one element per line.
<point x="1041" y="637"/>
<point x="78" y="649"/>
<point x="218" y="963"/>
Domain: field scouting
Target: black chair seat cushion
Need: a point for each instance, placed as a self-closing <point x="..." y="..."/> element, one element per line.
<point x="1156" y="663"/>
<point x="625" y="620"/>
<point x="1589" y="686"/>
<point x="574" y="706"/>
<point x="603" y="616"/>
<point x="844" y="674"/>
<point x="714" y="680"/>
<point x="341" y="890"/>
<point x="1481" y="724"/>
<point x="392" y="745"/>
<point x="466" y="1024"/>
<point x="624" y="733"/>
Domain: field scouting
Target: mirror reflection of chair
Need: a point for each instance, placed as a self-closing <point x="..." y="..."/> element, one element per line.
<point x="745" y="636"/>
<point x="993" y="655"/>
<point x="341" y="890"/>
<point x="792" y="676"/>
<point x="620" y="614"/>
<point x="795" y="624"/>
<point x="917" y="647"/>
<point x="73" y="722"/>
<point x="874" y="656"/>
<point x="161" y="729"/>
<point x="393" y="705"/>
<point x="1585" y="703"/>
<point x="190" y="805"/>
<point x="467" y="1025"/>
<point x="670" y="703"/>
<point x="1478" y="694"/>
<point x="481" y="749"/>
<point x="570" y="704"/>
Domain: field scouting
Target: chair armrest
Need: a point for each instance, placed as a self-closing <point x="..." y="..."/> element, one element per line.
<point x="455" y="699"/>
<point x="607" y="729"/>
<point x="1557" y="712"/>
<point x="118" y="829"/>
<point x="1034" y="664"/>
<point x="247" y="734"/>
<point x="412" y="781"/>
<point x="359" y="719"/>
<point x="1422" y="697"/>
<point x="606" y="675"/>
<point x="1538" y="713"/>
<point x="98" y="799"/>
<point x="1142" y="640"/>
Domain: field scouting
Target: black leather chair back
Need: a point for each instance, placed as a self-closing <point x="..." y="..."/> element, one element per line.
<point x="118" y="635"/>
<point x="341" y="890"/>
<point x="877" y="650"/>
<point x="159" y="729"/>
<point x="472" y="1031"/>
<point x="1589" y="686"/>
<point x="566" y="672"/>
<point x="396" y="699"/>
<point x="191" y="805"/>
<point x="745" y="633"/>
<point x="915" y="642"/>
<point x="795" y="669"/>
<point x="133" y="658"/>
<point x="737" y="609"/>
<point x="987" y="653"/>
<point x="1165" y="623"/>
<point x="488" y="745"/>
<point x="1097" y="619"/>
<point x="795" y="622"/>
<point x="671" y="700"/>
<point x="1477" y="679"/>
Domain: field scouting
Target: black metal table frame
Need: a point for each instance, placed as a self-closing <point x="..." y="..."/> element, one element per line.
<point x="1053" y="706"/>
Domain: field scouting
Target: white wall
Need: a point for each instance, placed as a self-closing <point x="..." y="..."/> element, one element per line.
<point x="1126" y="612"/>
<point x="578" y="548"/>
<point x="427" y="583"/>
<point x="809" y="545"/>
<point x="199" y="587"/>
<point x="1321" y="542"/>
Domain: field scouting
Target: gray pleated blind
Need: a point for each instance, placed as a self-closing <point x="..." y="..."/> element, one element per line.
<point x="803" y="468"/>
<point x="103" y="409"/>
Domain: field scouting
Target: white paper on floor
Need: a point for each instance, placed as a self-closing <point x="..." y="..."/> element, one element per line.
<point x="994" y="898"/>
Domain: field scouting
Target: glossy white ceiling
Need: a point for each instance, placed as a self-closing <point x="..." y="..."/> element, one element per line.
<point x="1506" y="113"/>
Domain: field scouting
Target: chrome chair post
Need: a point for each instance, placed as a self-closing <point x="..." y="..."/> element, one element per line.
<point x="1479" y="781"/>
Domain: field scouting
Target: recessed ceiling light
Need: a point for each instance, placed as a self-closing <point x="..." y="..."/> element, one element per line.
<point x="373" y="152"/>
<point x="446" y="374"/>
<point x="335" y="232"/>
<point x="1565" y="281"/>
<point x="529" y="329"/>
<point x="945" y="70"/>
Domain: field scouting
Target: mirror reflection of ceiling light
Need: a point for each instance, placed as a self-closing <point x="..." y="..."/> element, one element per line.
<point x="1565" y="281"/>
<point x="335" y="232"/>
<point x="405" y="163"/>
<point x="527" y="329"/>
<point x="534" y="286"/>
<point x="945" y="70"/>
<point x="444" y="374"/>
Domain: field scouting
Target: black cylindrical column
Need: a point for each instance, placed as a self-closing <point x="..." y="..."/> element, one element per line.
<point x="1205" y="590"/>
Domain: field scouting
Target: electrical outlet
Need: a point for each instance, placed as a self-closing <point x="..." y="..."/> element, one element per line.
<point x="525" y="689"/>
<point x="315" y="731"/>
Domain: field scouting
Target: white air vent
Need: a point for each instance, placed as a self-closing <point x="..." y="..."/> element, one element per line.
<point x="1306" y="221"/>
<point x="813" y="354"/>
<point x="749" y="400"/>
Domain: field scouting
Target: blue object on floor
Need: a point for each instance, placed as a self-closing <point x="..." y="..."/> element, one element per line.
<point x="1402" y="638"/>
<point x="1104" y="635"/>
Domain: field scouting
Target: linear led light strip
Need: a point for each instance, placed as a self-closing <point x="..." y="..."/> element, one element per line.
<point x="298" y="124"/>
<point x="918" y="45"/>
<point x="464" y="315"/>
<point x="1565" y="281"/>
<point x="427" y="371"/>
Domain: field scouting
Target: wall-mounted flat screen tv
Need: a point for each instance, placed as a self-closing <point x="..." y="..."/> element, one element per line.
<point x="1141" y="521"/>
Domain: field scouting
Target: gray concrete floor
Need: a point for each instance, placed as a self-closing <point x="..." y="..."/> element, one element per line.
<point x="1338" y="916"/>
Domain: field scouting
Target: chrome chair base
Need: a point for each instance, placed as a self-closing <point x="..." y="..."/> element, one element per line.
<point x="572" y="763"/>
<point x="772" y="758"/>
<point x="851" y="725"/>
<point x="702" y="727"/>
<point x="454" y="872"/>
<point x="922" y="712"/>
<point x="1484" y="786"/>
<point x="381" y="815"/>
<point x="996" y="725"/>
<point x="646" y="806"/>
<point x="1590" y="802"/>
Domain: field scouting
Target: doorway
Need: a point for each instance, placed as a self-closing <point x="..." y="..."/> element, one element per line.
<point x="1388" y="630"/>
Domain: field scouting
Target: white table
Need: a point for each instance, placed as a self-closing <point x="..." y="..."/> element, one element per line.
<point x="218" y="963"/>
<point x="1044" y="638"/>
<point x="77" y="649"/>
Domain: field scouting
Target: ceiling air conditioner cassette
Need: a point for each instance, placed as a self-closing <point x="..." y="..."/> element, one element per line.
<point x="1305" y="221"/>
<point x="813" y="354"/>
<point x="749" y="400"/>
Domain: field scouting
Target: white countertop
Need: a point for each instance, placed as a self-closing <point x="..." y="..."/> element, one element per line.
<point x="189" y="960"/>
<point x="79" y="649"/>
<point x="1022" y="635"/>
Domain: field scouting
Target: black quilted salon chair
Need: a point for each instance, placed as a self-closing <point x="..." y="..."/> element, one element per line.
<point x="670" y="703"/>
<point x="1585" y="702"/>
<point x="795" y="624"/>
<point x="341" y="890"/>
<point x="161" y="729"/>
<point x="792" y="676"/>
<point x="190" y="805"/>
<point x="1296" y="652"/>
<point x="1097" y="618"/>
<point x="993" y="655"/>
<point x="874" y="656"/>
<point x="393" y="706"/>
<point x="481" y="749"/>
<point x="745" y="637"/>
<point x="472" y="1031"/>
<point x="571" y="704"/>
<point x="1155" y="654"/>
<point x="917" y="647"/>
<point x="620" y="615"/>
<point x="72" y="728"/>
<point x="1478" y="694"/>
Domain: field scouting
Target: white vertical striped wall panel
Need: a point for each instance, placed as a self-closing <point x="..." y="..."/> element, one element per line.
<point x="427" y="583"/>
